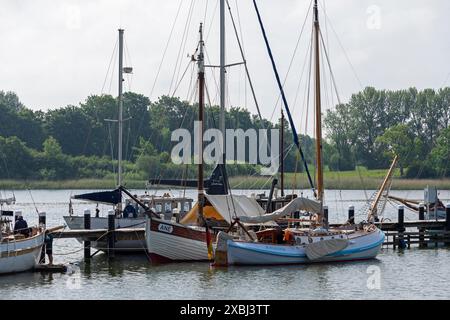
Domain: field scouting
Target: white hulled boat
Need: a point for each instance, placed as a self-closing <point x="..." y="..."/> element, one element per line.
<point x="17" y="252"/>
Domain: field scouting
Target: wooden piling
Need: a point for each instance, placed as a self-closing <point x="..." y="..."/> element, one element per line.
<point x="87" y="244"/>
<point x="42" y="223"/>
<point x="447" y="222"/>
<point x="401" y="227"/>
<point x="422" y="230"/>
<point x="325" y="214"/>
<point x="111" y="231"/>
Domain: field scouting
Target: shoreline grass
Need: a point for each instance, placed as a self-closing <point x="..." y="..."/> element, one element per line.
<point x="333" y="181"/>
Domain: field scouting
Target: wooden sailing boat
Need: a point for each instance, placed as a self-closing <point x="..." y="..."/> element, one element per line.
<point x="319" y="243"/>
<point x="168" y="241"/>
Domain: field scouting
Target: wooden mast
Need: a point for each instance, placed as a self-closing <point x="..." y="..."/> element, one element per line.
<point x="201" y="90"/>
<point x="201" y="105"/>
<point x="373" y="208"/>
<point x="282" y="154"/>
<point x="320" y="186"/>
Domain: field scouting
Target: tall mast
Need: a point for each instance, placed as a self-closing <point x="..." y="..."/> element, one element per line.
<point x="120" y="120"/>
<point x="222" y="75"/>
<point x="320" y="187"/>
<point x="201" y="105"/>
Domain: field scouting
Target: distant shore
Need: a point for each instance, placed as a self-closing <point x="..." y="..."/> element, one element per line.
<point x="333" y="181"/>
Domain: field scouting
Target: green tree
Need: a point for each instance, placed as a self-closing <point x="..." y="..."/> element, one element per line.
<point x="399" y="140"/>
<point x="440" y="155"/>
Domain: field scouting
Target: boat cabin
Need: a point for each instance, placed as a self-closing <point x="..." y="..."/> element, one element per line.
<point x="166" y="206"/>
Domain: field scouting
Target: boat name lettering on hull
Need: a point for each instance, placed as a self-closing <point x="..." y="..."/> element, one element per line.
<point x="165" y="228"/>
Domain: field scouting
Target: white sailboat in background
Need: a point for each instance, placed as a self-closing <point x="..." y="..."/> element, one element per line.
<point x="319" y="243"/>
<point x="129" y="214"/>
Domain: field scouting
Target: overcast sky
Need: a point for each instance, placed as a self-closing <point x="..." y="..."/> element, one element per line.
<point x="57" y="52"/>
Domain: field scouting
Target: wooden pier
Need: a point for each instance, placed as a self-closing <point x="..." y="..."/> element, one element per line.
<point x="102" y="234"/>
<point x="401" y="234"/>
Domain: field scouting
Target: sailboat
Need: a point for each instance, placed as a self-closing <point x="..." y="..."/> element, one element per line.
<point x="19" y="252"/>
<point x="168" y="241"/>
<point x="319" y="242"/>
<point x="129" y="214"/>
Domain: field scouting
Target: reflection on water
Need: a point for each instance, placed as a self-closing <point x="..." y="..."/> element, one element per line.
<point x="415" y="273"/>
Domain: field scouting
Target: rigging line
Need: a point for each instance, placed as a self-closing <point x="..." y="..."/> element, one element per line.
<point x="328" y="43"/>
<point x="112" y="73"/>
<point x="308" y="87"/>
<point x="329" y="67"/>
<point x="295" y="50"/>
<point x="239" y="22"/>
<point x="182" y="78"/>
<point x="212" y="19"/>
<point x="128" y="59"/>
<point x="206" y="11"/>
<point x="325" y="80"/>
<point x="191" y="82"/>
<point x="34" y="203"/>
<point x="245" y="64"/>
<point x="181" y="46"/>
<point x="213" y="75"/>
<point x="109" y="66"/>
<point x="185" y="40"/>
<point x="166" y="48"/>
<point x="301" y="77"/>
<point x="112" y="148"/>
<point x="7" y="172"/>
<point x="446" y="80"/>
<point x="284" y="98"/>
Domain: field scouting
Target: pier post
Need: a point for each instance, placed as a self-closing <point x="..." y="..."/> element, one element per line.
<point x="447" y="223"/>
<point x="111" y="235"/>
<point x="325" y="214"/>
<point x="42" y="223"/>
<point x="351" y="214"/>
<point x="42" y="218"/>
<point x="87" y="226"/>
<point x="401" y="227"/>
<point x="422" y="230"/>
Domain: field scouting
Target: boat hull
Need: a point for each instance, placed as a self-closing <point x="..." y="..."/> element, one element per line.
<point x="21" y="255"/>
<point x="121" y="246"/>
<point x="250" y="253"/>
<point x="173" y="242"/>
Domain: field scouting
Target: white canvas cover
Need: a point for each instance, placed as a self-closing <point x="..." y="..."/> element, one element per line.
<point x="320" y="249"/>
<point x="227" y="206"/>
<point x="297" y="204"/>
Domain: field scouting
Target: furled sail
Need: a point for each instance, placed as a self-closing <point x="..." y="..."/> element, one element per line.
<point x="217" y="184"/>
<point x="297" y="204"/>
<point x="108" y="197"/>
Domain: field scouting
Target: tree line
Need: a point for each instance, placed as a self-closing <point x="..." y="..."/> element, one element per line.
<point x="376" y="124"/>
<point x="78" y="141"/>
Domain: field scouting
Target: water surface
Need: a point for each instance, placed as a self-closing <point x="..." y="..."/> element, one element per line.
<point x="409" y="274"/>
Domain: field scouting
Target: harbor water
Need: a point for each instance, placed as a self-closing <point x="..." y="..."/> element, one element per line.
<point x="395" y="274"/>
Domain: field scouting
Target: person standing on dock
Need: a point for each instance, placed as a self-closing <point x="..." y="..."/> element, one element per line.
<point x="49" y="247"/>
